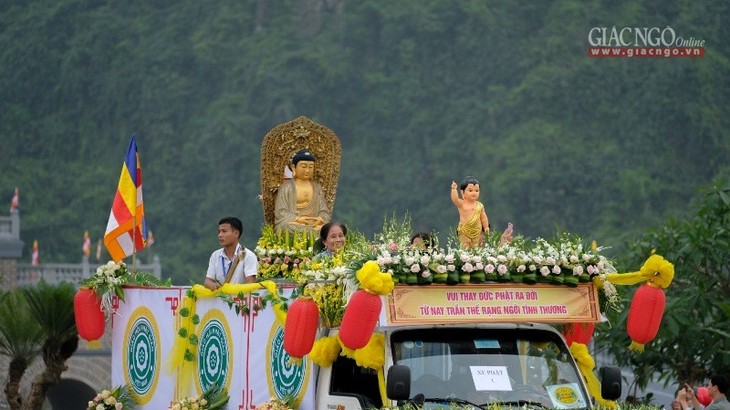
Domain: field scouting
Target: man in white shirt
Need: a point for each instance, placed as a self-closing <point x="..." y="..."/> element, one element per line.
<point x="233" y="263"/>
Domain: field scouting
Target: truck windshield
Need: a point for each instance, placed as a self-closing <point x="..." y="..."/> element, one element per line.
<point x="483" y="366"/>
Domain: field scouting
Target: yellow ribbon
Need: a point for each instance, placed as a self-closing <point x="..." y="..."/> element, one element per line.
<point x="586" y="364"/>
<point x="656" y="271"/>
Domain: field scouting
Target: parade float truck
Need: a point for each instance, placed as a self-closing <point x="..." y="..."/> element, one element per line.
<point x="437" y="346"/>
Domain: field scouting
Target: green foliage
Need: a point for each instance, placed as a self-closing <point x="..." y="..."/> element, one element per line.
<point x="692" y="342"/>
<point x="419" y="92"/>
<point x="21" y="337"/>
<point x="52" y="307"/>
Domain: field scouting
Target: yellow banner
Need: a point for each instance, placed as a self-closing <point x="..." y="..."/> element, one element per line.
<point x="492" y="303"/>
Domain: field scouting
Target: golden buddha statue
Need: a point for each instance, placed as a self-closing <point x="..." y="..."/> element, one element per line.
<point x="300" y="201"/>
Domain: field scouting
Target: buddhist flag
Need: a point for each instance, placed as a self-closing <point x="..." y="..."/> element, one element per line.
<point x="98" y="250"/>
<point x="86" y="247"/>
<point x="126" y="231"/>
<point x="34" y="259"/>
<point x="15" y="201"/>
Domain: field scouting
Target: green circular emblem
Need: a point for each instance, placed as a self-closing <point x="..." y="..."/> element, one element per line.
<point x="142" y="356"/>
<point x="288" y="378"/>
<point x="213" y="355"/>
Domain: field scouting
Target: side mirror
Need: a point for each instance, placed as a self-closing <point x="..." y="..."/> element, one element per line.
<point x="398" y="386"/>
<point x="610" y="382"/>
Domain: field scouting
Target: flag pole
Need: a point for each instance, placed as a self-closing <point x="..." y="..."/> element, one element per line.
<point x="134" y="234"/>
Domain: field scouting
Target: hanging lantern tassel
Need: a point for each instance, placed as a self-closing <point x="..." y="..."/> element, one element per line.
<point x="645" y="315"/>
<point x="359" y="320"/>
<point x="89" y="317"/>
<point x="579" y="333"/>
<point x="300" y="328"/>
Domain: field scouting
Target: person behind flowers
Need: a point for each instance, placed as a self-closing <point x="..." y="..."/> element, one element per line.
<point x="717" y="388"/>
<point x="232" y="263"/>
<point x="473" y="221"/>
<point x="300" y="202"/>
<point x="333" y="237"/>
<point x="422" y="241"/>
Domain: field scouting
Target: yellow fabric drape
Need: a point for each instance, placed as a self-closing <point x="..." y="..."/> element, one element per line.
<point x="656" y="271"/>
<point x="586" y="364"/>
<point x="181" y="359"/>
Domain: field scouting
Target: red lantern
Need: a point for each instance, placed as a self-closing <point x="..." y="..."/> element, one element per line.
<point x="580" y="333"/>
<point x="359" y="320"/>
<point x="645" y="315"/>
<point x="89" y="317"/>
<point x="300" y="328"/>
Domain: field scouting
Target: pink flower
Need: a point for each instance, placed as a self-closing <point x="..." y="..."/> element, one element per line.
<point x="287" y="259"/>
<point x="425" y="273"/>
<point x="489" y="268"/>
<point x="502" y="269"/>
<point x="556" y="270"/>
<point x="393" y="247"/>
<point x="544" y="271"/>
<point x="468" y="267"/>
<point x="415" y="268"/>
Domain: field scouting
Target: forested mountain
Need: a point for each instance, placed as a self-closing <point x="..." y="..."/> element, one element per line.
<point x="420" y="92"/>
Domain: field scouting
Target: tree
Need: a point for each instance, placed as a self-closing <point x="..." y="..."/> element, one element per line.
<point x="693" y="341"/>
<point x="38" y="321"/>
<point x="20" y="340"/>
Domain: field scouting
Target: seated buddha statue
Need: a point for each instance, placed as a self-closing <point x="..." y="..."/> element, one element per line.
<point x="300" y="202"/>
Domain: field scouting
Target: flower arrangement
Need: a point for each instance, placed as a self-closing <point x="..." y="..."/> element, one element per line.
<point x="109" y="278"/>
<point x="215" y="398"/>
<point x="286" y="403"/>
<point x="330" y="301"/>
<point x="281" y="253"/>
<point x="118" y="399"/>
<point x="107" y="282"/>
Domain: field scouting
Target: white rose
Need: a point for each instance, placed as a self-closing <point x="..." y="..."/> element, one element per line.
<point x="521" y="268"/>
<point x="532" y="268"/>
<point x="415" y="268"/>
<point x="451" y="268"/>
<point x="544" y="271"/>
<point x="556" y="269"/>
<point x="449" y="258"/>
<point x="489" y="268"/>
<point x="578" y="270"/>
<point x="441" y="269"/>
<point x="574" y="259"/>
<point x="468" y="267"/>
<point x="425" y="259"/>
<point x="502" y="269"/>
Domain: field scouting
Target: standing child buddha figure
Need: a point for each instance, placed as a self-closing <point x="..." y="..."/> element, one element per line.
<point x="473" y="219"/>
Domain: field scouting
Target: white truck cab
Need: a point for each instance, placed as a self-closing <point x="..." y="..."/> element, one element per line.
<point x="467" y="365"/>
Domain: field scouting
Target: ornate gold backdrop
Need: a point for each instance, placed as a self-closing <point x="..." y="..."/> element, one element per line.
<point x="282" y="142"/>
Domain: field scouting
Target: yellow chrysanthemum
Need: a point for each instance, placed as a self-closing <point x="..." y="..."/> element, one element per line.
<point x="373" y="280"/>
<point x="325" y="351"/>
<point x="659" y="271"/>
